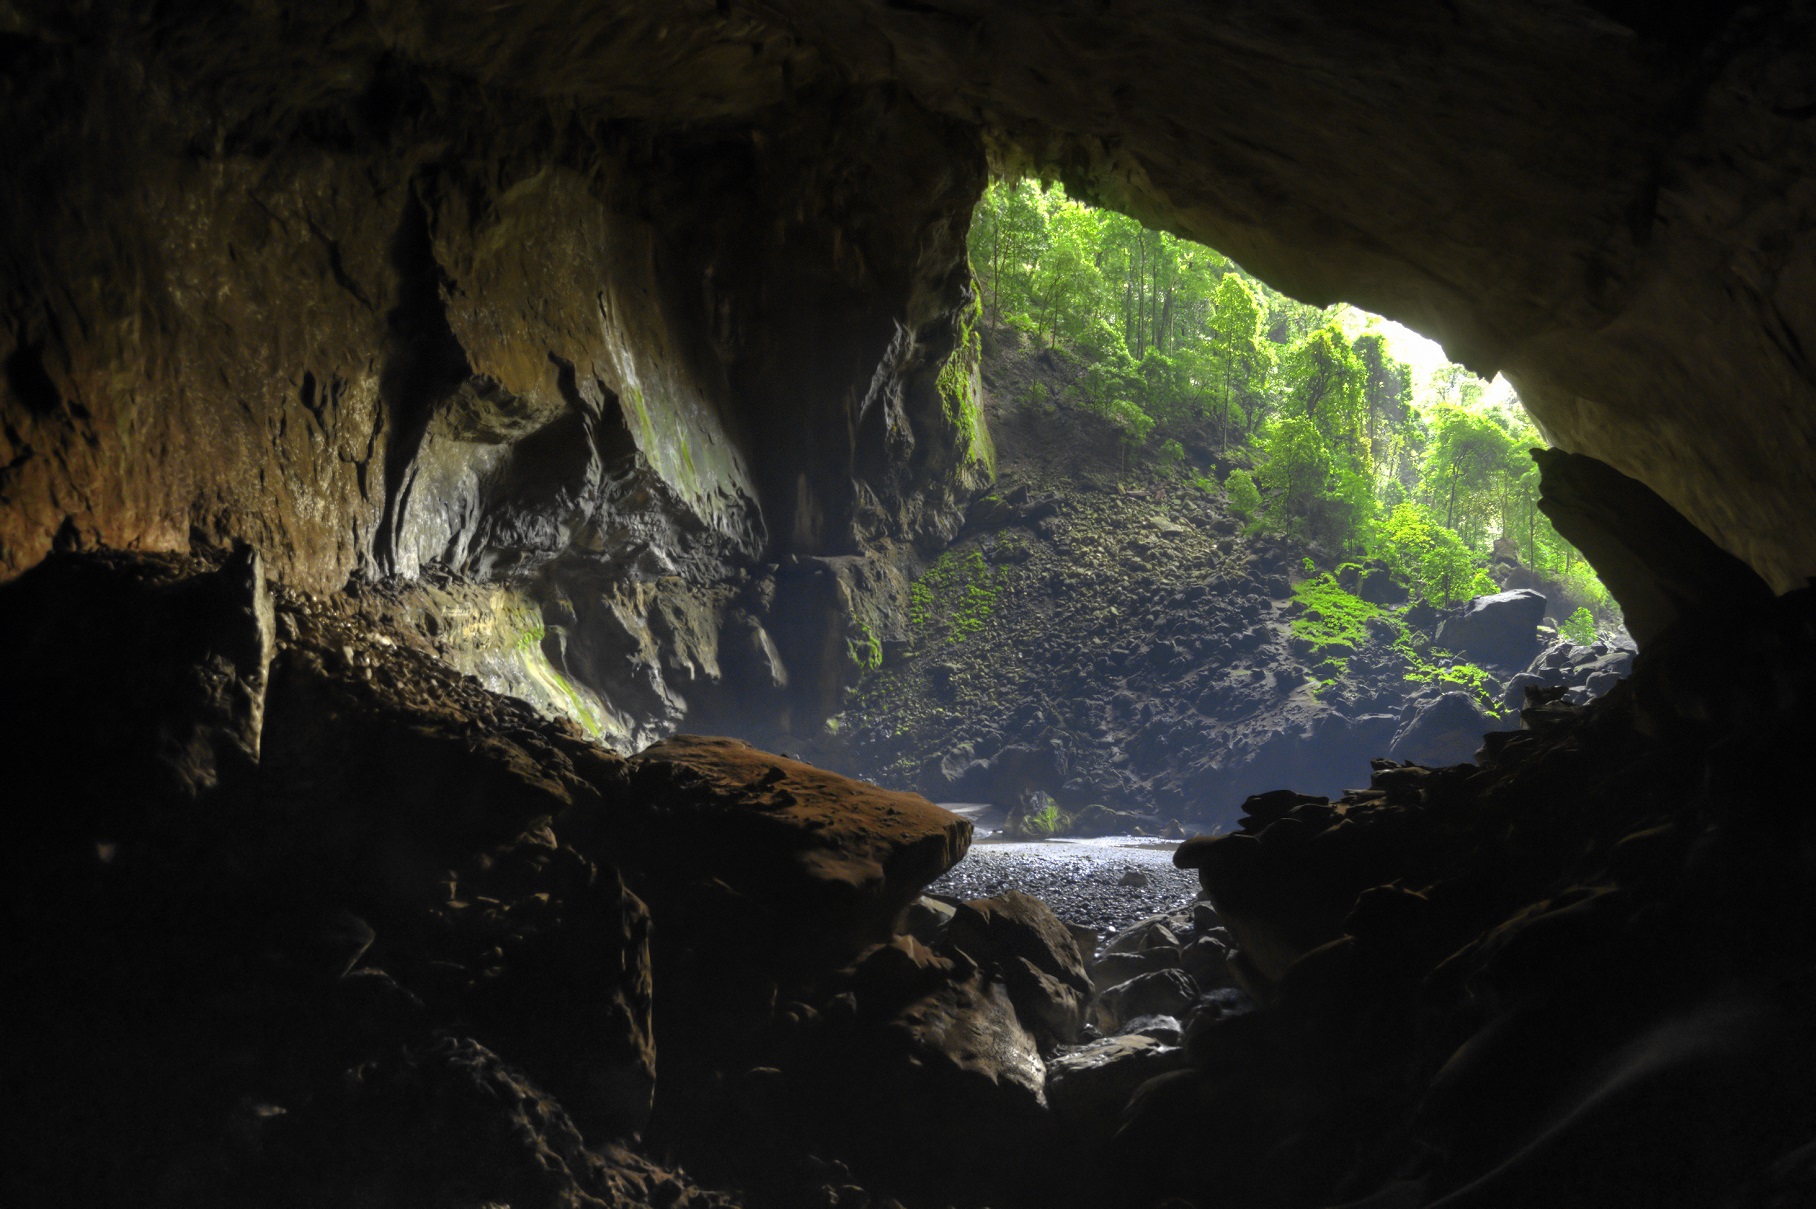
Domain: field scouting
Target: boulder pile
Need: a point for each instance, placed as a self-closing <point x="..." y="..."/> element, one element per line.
<point x="305" y="917"/>
<point x="1472" y="980"/>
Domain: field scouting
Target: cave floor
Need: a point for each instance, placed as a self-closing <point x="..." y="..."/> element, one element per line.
<point x="1104" y="883"/>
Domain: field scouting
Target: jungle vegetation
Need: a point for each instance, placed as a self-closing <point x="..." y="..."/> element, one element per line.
<point x="1319" y="432"/>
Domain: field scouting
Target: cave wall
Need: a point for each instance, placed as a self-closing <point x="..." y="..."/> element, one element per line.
<point x="390" y="302"/>
<point x="646" y="314"/>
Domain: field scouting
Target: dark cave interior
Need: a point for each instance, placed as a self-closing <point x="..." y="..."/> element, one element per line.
<point x="423" y="422"/>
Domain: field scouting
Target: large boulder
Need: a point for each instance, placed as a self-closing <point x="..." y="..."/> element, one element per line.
<point x="1448" y="730"/>
<point x="839" y="859"/>
<point x="925" y="1051"/>
<point x="1088" y="1087"/>
<point x="1036" y="956"/>
<point x="1500" y="629"/>
<point x="1167" y="992"/>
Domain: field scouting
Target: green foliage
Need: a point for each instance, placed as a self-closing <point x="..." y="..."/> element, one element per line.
<point x="1426" y="668"/>
<point x="1170" y="457"/>
<point x="1177" y="348"/>
<point x="1332" y="616"/>
<point x="1579" y="627"/>
<point x="1244" y="497"/>
<point x="1238" y="358"/>
<point x="1047" y="821"/>
<point x="957" y="384"/>
<point x="863" y="649"/>
<point x="958" y="590"/>
<point x="920" y="603"/>
<point x="1297" y="469"/>
<point x="1431" y="557"/>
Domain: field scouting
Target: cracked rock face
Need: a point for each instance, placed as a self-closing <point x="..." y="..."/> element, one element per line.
<point x="619" y="308"/>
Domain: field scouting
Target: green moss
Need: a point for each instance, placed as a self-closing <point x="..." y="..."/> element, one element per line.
<point x="974" y="607"/>
<point x="645" y="427"/>
<point x="864" y="650"/>
<point x="588" y="719"/>
<point x="528" y="648"/>
<point x="920" y="604"/>
<point x="1332" y="617"/>
<point x="957" y="383"/>
<point x="959" y="590"/>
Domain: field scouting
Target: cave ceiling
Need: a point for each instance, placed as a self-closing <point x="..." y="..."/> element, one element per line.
<point x="1613" y="204"/>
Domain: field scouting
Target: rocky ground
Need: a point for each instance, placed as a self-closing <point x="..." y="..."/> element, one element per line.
<point x="301" y="916"/>
<point x="1099" y="885"/>
<point x="1110" y="635"/>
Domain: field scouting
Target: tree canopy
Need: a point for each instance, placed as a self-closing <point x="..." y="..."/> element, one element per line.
<point x="1323" y="433"/>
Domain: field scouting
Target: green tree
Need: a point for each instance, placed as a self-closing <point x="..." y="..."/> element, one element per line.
<point x="1296" y="471"/>
<point x="1178" y="349"/>
<point x="1239" y="488"/>
<point x="1427" y="554"/>
<point x="1238" y="360"/>
<point x="1386" y="399"/>
<point x="1579" y="627"/>
<point x="1468" y="463"/>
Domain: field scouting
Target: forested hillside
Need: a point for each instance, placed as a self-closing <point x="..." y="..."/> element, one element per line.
<point x="1227" y="533"/>
<point x="1315" y="430"/>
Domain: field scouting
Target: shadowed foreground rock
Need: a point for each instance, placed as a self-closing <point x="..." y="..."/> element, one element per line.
<point x="418" y="945"/>
<point x="1579" y="974"/>
<point x="304" y="917"/>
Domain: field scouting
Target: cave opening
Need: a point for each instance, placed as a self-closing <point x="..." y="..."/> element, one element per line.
<point x="424" y="430"/>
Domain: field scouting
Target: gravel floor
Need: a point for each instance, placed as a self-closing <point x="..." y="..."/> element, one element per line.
<point x="1079" y="879"/>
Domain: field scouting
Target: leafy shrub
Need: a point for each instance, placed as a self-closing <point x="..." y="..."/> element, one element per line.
<point x="1332" y="617"/>
<point x="1170" y="457"/>
<point x="1244" y="496"/>
<point x="1579" y="627"/>
<point x="1421" y="551"/>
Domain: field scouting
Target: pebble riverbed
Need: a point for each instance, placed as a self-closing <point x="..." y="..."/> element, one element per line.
<point x="1080" y="879"/>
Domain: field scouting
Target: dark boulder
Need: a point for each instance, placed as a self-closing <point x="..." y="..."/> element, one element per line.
<point x="1034" y="953"/>
<point x="1501" y="629"/>
<point x="1168" y="992"/>
<point x="1448" y="730"/>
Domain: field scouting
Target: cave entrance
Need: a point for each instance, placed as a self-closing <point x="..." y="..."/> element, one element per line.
<point x="1232" y="545"/>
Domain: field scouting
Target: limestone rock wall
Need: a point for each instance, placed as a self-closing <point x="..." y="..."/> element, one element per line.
<point x="335" y="287"/>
